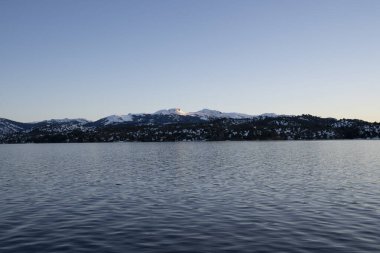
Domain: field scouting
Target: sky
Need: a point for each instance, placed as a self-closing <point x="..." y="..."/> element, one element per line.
<point x="93" y="58"/>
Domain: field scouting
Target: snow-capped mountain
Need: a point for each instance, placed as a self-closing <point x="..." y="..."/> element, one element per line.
<point x="175" y="124"/>
<point x="210" y="114"/>
<point x="8" y="126"/>
<point x="207" y="114"/>
<point x="166" y="116"/>
<point x="114" y="119"/>
<point x="172" y="111"/>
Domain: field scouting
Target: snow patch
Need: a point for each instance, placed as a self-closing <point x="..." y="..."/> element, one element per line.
<point x="172" y="111"/>
<point x="118" y="119"/>
<point x="209" y="114"/>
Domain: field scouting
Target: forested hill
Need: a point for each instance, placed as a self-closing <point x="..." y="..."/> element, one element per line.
<point x="182" y="127"/>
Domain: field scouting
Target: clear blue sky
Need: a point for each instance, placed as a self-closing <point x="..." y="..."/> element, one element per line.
<point x="90" y="59"/>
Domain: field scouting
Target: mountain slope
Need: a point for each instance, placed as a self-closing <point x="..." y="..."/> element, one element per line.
<point x="8" y="126"/>
<point x="177" y="125"/>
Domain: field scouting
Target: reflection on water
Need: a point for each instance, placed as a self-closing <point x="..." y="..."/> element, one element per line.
<point x="191" y="197"/>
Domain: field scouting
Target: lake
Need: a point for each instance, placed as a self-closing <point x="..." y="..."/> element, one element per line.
<point x="279" y="196"/>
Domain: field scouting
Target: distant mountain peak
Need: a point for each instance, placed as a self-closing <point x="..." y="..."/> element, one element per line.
<point x="113" y="119"/>
<point x="171" y="111"/>
<point x="207" y="113"/>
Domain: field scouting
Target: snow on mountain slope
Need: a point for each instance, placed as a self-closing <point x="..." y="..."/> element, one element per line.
<point x="207" y="114"/>
<point x="8" y="126"/>
<point x="118" y="119"/>
<point x="172" y="111"/>
<point x="52" y="125"/>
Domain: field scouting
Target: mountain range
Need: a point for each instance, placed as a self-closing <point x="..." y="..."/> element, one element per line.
<point x="176" y="125"/>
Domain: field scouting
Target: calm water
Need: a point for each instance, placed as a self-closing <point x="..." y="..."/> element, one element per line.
<point x="191" y="197"/>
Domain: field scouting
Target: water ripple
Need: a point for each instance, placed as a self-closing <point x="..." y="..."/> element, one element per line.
<point x="191" y="197"/>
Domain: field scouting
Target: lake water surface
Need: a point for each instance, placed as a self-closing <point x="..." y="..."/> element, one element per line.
<point x="282" y="196"/>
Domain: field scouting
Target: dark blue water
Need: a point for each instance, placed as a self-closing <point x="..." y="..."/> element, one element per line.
<point x="191" y="197"/>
